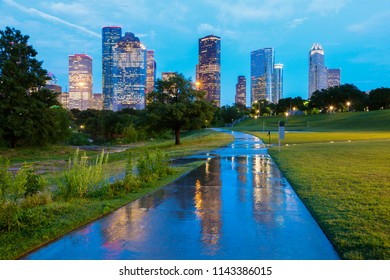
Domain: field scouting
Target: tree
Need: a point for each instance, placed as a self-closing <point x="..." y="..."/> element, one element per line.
<point x="379" y="99"/>
<point x="175" y="104"/>
<point x="25" y="106"/>
<point x="338" y="98"/>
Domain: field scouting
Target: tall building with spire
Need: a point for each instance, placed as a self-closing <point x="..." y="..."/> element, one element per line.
<point x="208" y="69"/>
<point x="318" y="73"/>
<point x="80" y="82"/>
<point x="240" y="97"/>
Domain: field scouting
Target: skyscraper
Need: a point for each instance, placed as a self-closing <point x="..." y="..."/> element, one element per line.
<point x="277" y="91"/>
<point x="124" y="70"/>
<point x="334" y="77"/>
<point x="262" y="66"/>
<point x="110" y="37"/>
<point x="80" y="81"/>
<point x="241" y="91"/>
<point x="318" y="73"/>
<point x="208" y="70"/>
<point x="150" y="71"/>
<point x="129" y="73"/>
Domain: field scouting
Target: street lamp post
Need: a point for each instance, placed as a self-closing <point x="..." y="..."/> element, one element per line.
<point x="348" y="105"/>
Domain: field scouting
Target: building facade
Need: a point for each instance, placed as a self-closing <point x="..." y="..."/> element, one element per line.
<point x="240" y="97"/>
<point x="80" y="82"/>
<point x="124" y="70"/>
<point x="129" y="73"/>
<point x="318" y="73"/>
<point x="208" y="69"/>
<point x="150" y="71"/>
<point x="262" y="66"/>
<point x="277" y="91"/>
<point x="110" y="37"/>
<point x="334" y="77"/>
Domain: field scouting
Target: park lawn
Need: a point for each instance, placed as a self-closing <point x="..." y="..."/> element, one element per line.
<point x="57" y="218"/>
<point x="305" y="137"/>
<point x="345" y="185"/>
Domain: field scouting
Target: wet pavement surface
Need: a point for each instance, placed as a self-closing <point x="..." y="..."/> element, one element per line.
<point x="236" y="206"/>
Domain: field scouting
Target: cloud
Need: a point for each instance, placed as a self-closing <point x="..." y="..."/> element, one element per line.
<point x="208" y="28"/>
<point x="296" y="22"/>
<point x="35" y="12"/>
<point x="254" y="10"/>
<point x="325" y="7"/>
<point x="378" y="23"/>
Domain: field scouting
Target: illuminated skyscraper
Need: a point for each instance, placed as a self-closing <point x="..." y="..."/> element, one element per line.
<point x="277" y="91"/>
<point x="262" y="66"/>
<point x="80" y="82"/>
<point x="129" y="73"/>
<point x="110" y="37"/>
<point x="241" y="91"/>
<point x="318" y="73"/>
<point x="150" y="71"/>
<point x="334" y="77"/>
<point x="208" y="70"/>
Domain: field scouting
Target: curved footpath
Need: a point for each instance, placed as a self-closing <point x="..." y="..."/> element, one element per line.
<point x="235" y="206"/>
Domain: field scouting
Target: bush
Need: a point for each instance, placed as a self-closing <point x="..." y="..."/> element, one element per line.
<point x="130" y="134"/>
<point x="16" y="191"/>
<point x="152" y="166"/>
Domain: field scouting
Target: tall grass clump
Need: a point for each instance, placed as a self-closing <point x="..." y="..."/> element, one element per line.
<point x="82" y="177"/>
<point x="17" y="191"/>
<point x="153" y="165"/>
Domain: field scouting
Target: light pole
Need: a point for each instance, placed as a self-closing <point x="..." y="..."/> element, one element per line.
<point x="348" y="105"/>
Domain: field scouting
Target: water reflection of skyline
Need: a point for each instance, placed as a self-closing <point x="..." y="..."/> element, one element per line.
<point x="236" y="206"/>
<point x="208" y="203"/>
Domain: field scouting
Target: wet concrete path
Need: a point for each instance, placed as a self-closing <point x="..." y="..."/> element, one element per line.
<point x="236" y="206"/>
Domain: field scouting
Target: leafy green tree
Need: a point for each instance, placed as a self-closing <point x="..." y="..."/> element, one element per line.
<point x="25" y="106"/>
<point x="175" y="104"/>
<point x="338" y="98"/>
<point x="379" y="99"/>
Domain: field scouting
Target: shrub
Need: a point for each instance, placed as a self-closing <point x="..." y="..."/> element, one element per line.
<point x="130" y="134"/>
<point x="152" y="166"/>
<point x="81" y="177"/>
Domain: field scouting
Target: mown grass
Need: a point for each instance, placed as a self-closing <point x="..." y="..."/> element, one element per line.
<point x="50" y="221"/>
<point x="345" y="185"/>
<point x="353" y="121"/>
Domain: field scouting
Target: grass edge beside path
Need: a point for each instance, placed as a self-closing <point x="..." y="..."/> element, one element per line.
<point x="346" y="187"/>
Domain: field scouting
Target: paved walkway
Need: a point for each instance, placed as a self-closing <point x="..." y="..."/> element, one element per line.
<point x="235" y="206"/>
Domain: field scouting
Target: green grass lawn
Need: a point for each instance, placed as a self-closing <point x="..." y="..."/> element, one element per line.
<point x="342" y="174"/>
<point x="48" y="222"/>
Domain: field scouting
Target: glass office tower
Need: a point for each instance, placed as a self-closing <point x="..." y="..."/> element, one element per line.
<point x="241" y="91"/>
<point x="80" y="82"/>
<point x="129" y="73"/>
<point x="208" y="70"/>
<point x="110" y="37"/>
<point x="277" y="91"/>
<point x="124" y="70"/>
<point x="262" y="66"/>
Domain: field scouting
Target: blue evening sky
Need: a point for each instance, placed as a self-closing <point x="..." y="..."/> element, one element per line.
<point x="355" y="35"/>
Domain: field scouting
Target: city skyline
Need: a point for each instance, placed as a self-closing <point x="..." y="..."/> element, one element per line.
<point x="356" y="44"/>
